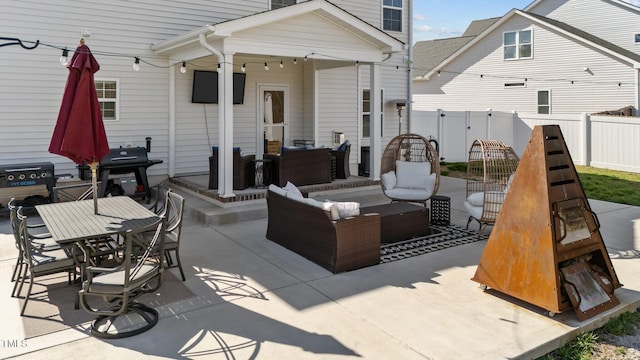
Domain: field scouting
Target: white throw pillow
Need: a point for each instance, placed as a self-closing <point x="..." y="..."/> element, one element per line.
<point x="388" y="180"/>
<point x="327" y="206"/>
<point x="431" y="183"/>
<point x="476" y="199"/>
<point x="292" y="191"/>
<point x="412" y="175"/>
<point x="346" y="209"/>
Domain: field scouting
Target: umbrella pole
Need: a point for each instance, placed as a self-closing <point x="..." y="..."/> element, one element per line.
<point x="94" y="175"/>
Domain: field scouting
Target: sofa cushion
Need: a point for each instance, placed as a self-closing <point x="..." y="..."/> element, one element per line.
<point x="412" y="175"/>
<point x="346" y="208"/>
<point x="292" y="191"/>
<point x="278" y="190"/>
<point x="327" y="206"/>
<point x="389" y="180"/>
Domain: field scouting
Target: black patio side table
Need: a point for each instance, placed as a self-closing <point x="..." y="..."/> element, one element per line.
<point x="263" y="173"/>
<point x="440" y="210"/>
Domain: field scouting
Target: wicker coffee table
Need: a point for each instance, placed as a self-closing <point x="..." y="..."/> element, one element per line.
<point x="400" y="220"/>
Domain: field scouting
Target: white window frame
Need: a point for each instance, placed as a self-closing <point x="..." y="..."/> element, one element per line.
<point x="517" y="45"/>
<point x="279" y="5"/>
<point x="363" y="113"/>
<point x="393" y="7"/>
<point x="115" y="100"/>
<point x="538" y="105"/>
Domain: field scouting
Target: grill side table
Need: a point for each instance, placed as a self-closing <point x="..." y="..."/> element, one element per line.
<point x="440" y="210"/>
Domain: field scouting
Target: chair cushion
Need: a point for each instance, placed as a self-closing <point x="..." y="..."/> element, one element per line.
<point x="50" y="260"/>
<point x="474" y="211"/>
<point x="412" y="175"/>
<point x="408" y="194"/>
<point x="476" y="199"/>
<point x="389" y="180"/>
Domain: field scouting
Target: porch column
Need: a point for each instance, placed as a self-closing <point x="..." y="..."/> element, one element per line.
<point x="225" y="131"/>
<point x="375" y="150"/>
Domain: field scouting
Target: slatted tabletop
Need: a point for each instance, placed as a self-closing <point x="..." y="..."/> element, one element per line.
<point x="75" y="220"/>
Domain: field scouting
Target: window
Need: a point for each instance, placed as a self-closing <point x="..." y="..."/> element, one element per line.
<point x="392" y="15"/>
<point x="366" y="113"/>
<point x="277" y="4"/>
<point x="107" y="91"/>
<point x="544" y="102"/>
<point x="518" y="45"/>
<point x="637" y="38"/>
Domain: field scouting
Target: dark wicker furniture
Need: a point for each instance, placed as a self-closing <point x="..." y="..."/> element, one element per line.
<point x="342" y="162"/>
<point x="300" y="166"/>
<point x="337" y="246"/>
<point x="400" y="221"/>
<point x="243" y="170"/>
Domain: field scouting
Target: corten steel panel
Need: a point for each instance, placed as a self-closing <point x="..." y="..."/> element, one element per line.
<point x="524" y="252"/>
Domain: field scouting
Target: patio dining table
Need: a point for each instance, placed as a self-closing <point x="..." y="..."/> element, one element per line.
<point x="76" y="222"/>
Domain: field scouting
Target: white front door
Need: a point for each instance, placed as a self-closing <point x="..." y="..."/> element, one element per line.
<point x="273" y="118"/>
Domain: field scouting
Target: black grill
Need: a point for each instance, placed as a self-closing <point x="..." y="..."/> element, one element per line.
<point x="123" y="161"/>
<point x="28" y="174"/>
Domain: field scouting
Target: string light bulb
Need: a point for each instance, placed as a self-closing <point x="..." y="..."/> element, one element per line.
<point x="243" y="68"/>
<point x="64" y="58"/>
<point x="183" y="68"/>
<point x="219" y="69"/>
<point x="266" y="66"/>
<point x="295" y="61"/>
<point x="281" y="65"/>
<point x="136" y="64"/>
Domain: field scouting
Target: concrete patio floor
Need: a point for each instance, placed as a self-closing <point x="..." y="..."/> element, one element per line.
<point x="257" y="300"/>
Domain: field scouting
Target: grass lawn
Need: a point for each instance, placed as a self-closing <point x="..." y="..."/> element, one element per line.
<point x="599" y="184"/>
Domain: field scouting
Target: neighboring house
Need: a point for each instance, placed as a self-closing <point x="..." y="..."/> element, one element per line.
<point x="328" y="63"/>
<point x="553" y="57"/>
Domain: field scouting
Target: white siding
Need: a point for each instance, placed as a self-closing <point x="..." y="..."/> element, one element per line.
<point x="475" y="80"/>
<point x="616" y="24"/>
<point x="33" y="80"/>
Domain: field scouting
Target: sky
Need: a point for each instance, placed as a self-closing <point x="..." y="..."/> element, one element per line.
<point x="436" y="19"/>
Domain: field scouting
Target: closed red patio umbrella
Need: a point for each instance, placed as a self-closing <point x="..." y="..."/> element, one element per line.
<point x="79" y="133"/>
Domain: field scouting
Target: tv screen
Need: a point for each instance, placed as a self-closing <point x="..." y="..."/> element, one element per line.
<point x="205" y="87"/>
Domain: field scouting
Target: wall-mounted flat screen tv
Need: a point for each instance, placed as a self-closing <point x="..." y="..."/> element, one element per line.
<point x="205" y="87"/>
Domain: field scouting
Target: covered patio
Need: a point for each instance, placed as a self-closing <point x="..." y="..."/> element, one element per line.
<point x="305" y="52"/>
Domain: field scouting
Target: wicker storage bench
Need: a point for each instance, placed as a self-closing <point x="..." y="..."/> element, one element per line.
<point x="336" y="245"/>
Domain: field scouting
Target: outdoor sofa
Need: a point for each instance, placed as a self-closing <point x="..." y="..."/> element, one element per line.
<point x="305" y="226"/>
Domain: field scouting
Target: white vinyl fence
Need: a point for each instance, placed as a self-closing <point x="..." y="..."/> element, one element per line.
<point x="611" y="142"/>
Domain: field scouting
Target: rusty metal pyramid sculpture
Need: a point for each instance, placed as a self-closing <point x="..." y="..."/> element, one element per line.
<point x="546" y="236"/>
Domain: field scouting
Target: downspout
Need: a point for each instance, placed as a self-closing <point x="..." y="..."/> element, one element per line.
<point x="410" y="70"/>
<point x="224" y="188"/>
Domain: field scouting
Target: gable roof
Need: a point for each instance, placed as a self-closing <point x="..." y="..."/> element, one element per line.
<point x="324" y="9"/>
<point x="478" y="26"/>
<point x="557" y="26"/>
<point x="429" y="53"/>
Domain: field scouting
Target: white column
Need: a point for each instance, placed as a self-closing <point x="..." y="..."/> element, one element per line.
<point x="375" y="148"/>
<point x="172" y="121"/>
<point x="226" y="145"/>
